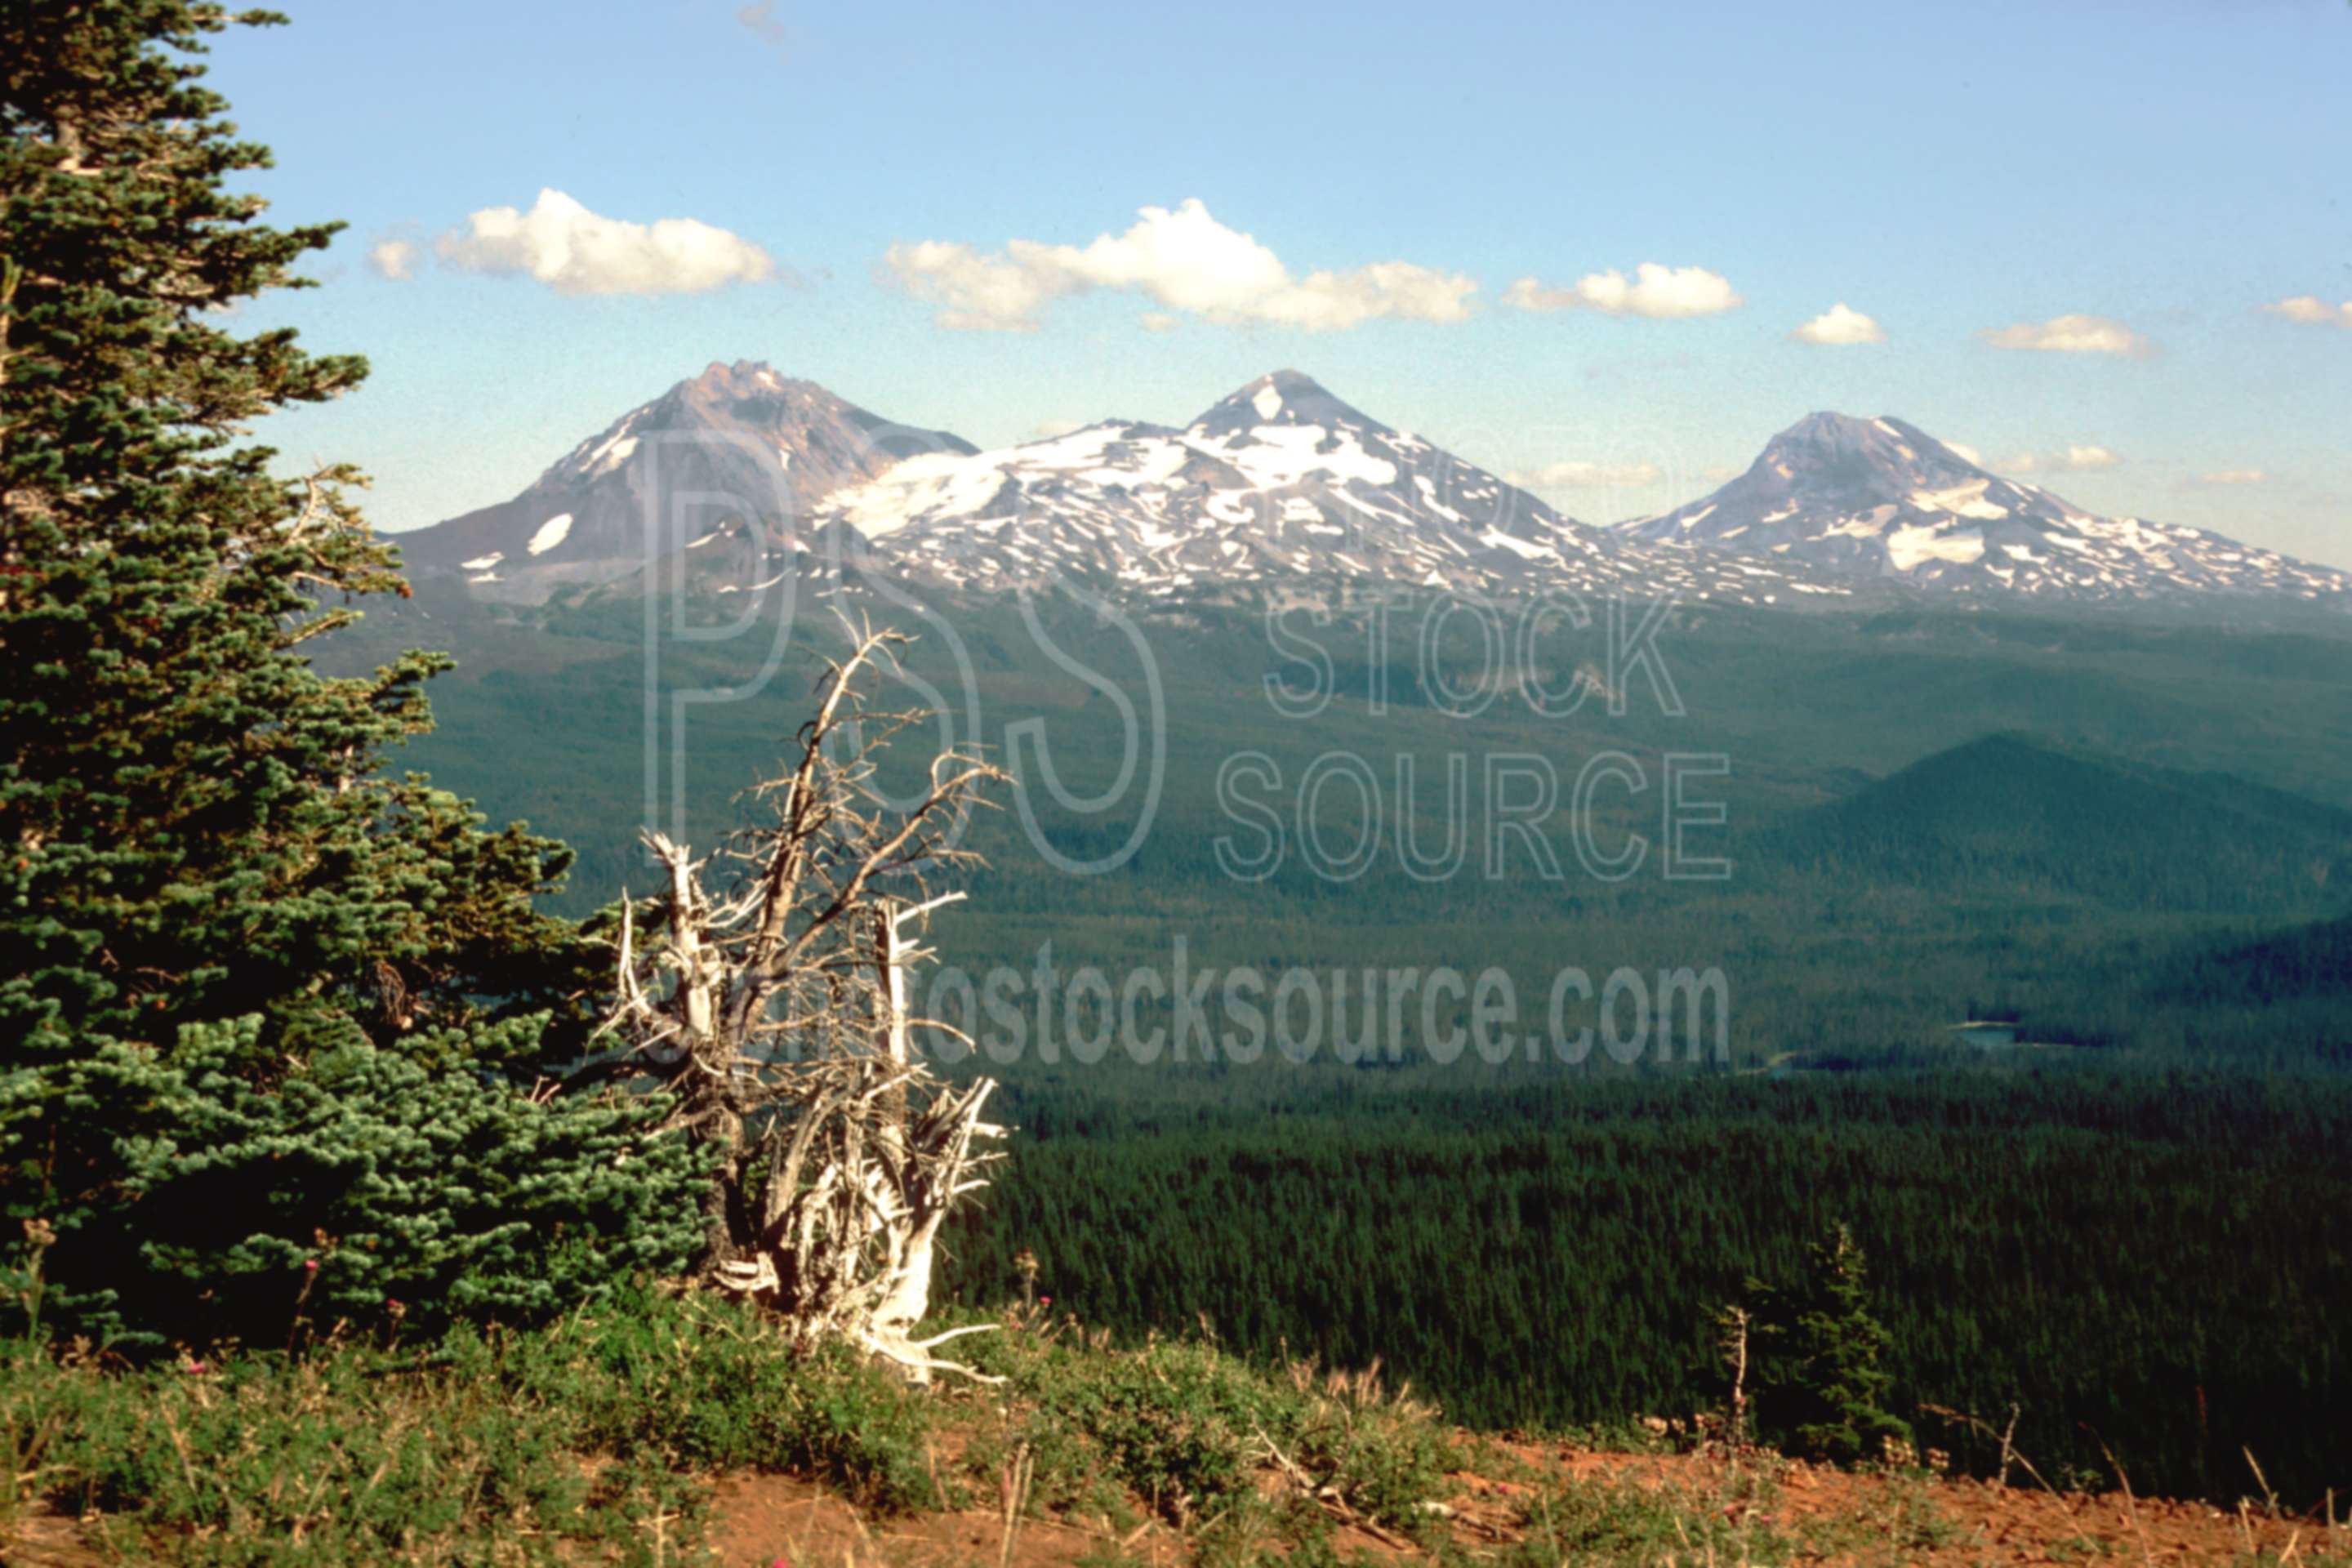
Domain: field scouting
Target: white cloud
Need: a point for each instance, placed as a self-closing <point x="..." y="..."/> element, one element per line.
<point x="1046" y="429"/>
<point x="1655" y="290"/>
<point x="573" y="250"/>
<point x="2235" y="477"/>
<point x="2313" y="310"/>
<point x="1586" y="476"/>
<point x="1839" y="326"/>
<point x="974" y="293"/>
<point x="2075" y="459"/>
<point x="397" y="260"/>
<point x="1184" y="261"/>
<point x="760" y="18"/>
<point x="2074" y="334"/>
<point x="1966" y="453"/>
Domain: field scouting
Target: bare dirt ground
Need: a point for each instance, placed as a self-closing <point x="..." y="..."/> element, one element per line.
<point x="1833" y="1518"/>
<point x="1843" y="1518"/>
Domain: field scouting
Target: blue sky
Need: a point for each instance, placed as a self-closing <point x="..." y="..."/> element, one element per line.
<point x="2165" y="169"/>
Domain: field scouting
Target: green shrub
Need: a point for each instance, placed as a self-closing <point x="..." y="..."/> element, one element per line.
<point x="364" y="1186"/>
<point x="1187" y="1427"/>
<point x="595" y="1436"/>
<point x="1605" y="1521"/>
<point x="703" y="1383"/>
<point x="353" y="1457"/>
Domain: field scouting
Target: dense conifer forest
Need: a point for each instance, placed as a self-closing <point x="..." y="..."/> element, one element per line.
<point x="2151" y="1258"/>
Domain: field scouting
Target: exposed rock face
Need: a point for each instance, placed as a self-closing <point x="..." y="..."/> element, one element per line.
<point x="738" y="444"/>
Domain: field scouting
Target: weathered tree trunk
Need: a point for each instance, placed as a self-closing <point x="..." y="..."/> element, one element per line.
<point x="778" y="1015"/>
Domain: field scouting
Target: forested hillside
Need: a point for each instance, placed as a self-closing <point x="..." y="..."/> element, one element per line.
<point x="2153" y="1260"/>
<point x="2007" y="812"/>
<point x="1923" y="815"/>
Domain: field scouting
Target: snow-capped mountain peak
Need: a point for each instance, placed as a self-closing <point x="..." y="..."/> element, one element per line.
<point x="1282" y="398"/>
<point x="1828" y="449"/>
<point x="737" y="442"/>
<point x="1279" y="480"/>
<point x="1882" y="500"/>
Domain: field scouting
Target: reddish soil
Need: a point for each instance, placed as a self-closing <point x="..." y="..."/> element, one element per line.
<point x="764" y="1521"/>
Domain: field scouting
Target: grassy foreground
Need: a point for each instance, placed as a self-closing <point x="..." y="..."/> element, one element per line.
<point x="587" y="1440"/>
<point x="598" y="1439"/>
<point x="626" y="1434"/>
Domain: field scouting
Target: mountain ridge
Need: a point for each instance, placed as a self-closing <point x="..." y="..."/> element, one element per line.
<point x="1278" y="484"/>
<point x="1282" y="486"/>
<point x="1881" y="500"/>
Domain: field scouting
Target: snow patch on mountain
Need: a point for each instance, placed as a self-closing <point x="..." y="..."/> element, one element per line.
<point x="550" y="533"/>
<point x="1280" y="480"/>
<point x="738" y="441"/>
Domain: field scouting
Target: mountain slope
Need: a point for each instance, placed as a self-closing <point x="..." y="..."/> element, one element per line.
<point x="736" y="442"/>
<point x="2009" y="811"/>
<point x="2310" y="963"/>
<point x="1280" y="480"/>
<point x="1882" y="500"/>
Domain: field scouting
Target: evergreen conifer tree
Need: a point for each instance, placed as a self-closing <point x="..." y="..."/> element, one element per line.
<point x="1836" y="1408"/>
<point x="240" y="954"/>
